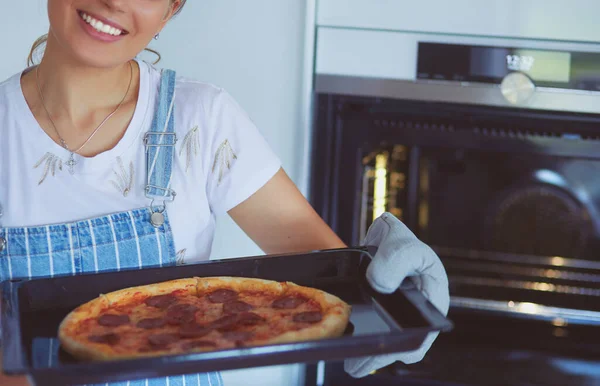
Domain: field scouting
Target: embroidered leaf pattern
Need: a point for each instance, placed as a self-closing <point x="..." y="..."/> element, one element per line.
<point x="223" y="159"/>
<point x="190" y="145"/>
<point x="51" y="163"/>
<point x="124" y="182"/>
<point x="180" y="257"/>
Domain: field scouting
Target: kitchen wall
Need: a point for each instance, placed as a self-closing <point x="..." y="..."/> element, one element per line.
<point x="254" y="49"/>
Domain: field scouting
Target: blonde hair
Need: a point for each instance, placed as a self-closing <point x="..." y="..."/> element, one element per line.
<point x="44" y="38"/>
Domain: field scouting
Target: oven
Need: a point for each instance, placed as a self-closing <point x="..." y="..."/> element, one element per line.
<point x="489" y="150"/>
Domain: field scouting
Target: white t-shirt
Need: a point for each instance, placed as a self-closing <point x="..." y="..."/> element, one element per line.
<point x="211" y="129"/>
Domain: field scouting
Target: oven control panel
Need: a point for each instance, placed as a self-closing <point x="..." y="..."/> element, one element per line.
<point x="517" y="70"/>
<point x="517" y="88"/>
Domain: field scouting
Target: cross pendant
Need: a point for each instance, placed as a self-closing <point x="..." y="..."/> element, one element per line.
<point x="71" y="163"/>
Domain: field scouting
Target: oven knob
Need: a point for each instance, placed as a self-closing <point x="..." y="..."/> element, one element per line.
<point x="517" y="88"/>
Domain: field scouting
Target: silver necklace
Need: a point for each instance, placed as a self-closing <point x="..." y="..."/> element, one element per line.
<point x="71" y="162"/>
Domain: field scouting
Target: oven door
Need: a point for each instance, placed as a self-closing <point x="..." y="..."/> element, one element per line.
<point x="509" y="200"/>
<point x="487" y="349"/>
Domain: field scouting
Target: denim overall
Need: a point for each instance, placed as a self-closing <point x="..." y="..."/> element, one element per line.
<point x="128" y="240"/>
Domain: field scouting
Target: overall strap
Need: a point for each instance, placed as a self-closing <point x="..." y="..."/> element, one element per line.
<point x="160" y="142"/>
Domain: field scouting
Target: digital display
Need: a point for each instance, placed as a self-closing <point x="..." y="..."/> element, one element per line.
<point x="491" y="64"/>
<point x="542" y="66"/>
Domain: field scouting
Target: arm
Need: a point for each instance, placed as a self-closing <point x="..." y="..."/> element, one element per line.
<point x="280" y="220"/>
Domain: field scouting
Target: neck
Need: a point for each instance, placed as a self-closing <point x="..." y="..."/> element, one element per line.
<point x="77" y="91"/>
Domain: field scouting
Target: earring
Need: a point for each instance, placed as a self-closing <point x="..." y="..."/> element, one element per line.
<point x="156" y="36"/>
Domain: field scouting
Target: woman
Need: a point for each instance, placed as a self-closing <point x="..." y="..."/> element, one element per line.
<point x="108" y="163"/>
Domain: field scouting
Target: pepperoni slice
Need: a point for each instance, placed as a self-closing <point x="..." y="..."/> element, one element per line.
<point x="110" y="339"/>
<point x="249" y="319"/>
<point x="198" y="344"/>
<point x="226" y="322"/>
<point x="160" y="301"/>
<point x="151" y="323"/>
<point x="184" y="307"/>
<point x="222" y="296"/>
<point x="308" y="317"/>
<point x="193" y="331"/>
<point x="112" y="320"/>
<point x="177" y="319"/>
<point x="162" y="340"/>
<point x="288" y="302"/>
<point x="181" y="314"/>
<point x="236" y="306"/>
<point x="237" y="336"/>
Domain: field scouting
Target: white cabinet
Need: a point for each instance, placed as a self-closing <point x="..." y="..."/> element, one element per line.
<point x="572" y="20"/>
<point x="393" y="54"/>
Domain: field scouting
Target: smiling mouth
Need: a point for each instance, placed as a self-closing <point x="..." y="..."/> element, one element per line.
<point x="101" y="26"/>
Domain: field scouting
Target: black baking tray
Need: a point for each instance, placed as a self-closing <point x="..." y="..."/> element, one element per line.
<point x="379" y="324"/>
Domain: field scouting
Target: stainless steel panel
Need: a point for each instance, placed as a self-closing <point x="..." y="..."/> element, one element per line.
<point x="453" y="92"/>
<point x="560" y="316"/>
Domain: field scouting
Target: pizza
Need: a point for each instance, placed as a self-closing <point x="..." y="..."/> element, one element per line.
<point x="200" y="314"/>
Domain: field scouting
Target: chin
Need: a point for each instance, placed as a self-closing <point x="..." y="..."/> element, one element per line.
<point x="92" y="59"/>
<point x="82" y="47"/>
<point x="96" y="55"/>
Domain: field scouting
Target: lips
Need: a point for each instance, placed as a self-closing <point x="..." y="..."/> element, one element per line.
<point x="102" y="25"/>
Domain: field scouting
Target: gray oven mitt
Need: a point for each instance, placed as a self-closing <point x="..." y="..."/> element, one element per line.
<point x="400" y="254"/>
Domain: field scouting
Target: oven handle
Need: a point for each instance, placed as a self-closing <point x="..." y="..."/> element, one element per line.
<point x="528" y="310"/>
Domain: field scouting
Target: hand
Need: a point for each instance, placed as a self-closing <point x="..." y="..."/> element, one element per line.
<point x="400" y="254"/>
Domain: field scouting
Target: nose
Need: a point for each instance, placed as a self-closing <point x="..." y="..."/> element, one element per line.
<point x="115" y="5"/>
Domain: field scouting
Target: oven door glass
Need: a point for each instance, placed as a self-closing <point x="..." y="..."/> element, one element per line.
<point x="508" y="226"/>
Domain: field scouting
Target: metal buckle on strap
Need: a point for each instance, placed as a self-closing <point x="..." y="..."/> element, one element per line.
<point x="157" y="217"/>
<point x="171" y="136"/>
<point x="169" y="198"/>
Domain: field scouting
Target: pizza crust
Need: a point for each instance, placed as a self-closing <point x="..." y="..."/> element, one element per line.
<point x="335" y="313"/>
<point x="239" y="284"/>
<point x="67" y="330"/>
<point x="83" y="349"/>
<point x="333" y="325"/>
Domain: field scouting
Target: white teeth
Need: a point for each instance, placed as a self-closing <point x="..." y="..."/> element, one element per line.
<point x="100" y="26"/>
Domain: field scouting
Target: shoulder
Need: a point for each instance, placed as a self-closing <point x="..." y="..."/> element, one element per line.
<point x="208" y="115"/>
<point x="208" y="104"/>
<point x="12" y="104"/>
<point x="10" y="89"/>
<point x="195" y="99"/>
